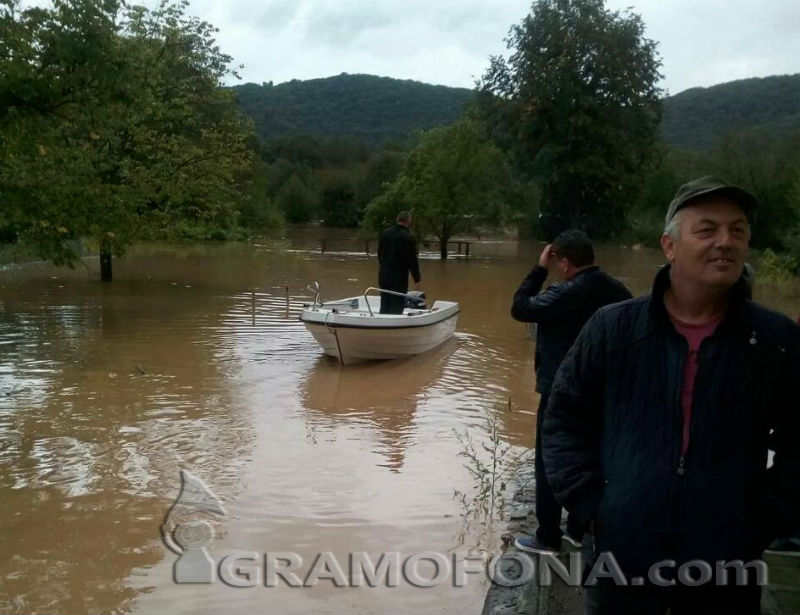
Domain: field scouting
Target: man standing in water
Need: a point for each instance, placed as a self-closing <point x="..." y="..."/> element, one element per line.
<point x="397" y="256"/>
<point x="560" y="312"/>
<point x="661" y="416"/>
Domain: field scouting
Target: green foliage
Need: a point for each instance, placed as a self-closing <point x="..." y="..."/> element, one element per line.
<point x="297" y="201"/>
<point x="454" y="181"/>
<point x="577" y="105"/>
<point x="694" y="119"/>
<point x="332" y="180"/>
<point x="778" y="269"/>
<point x="381" y="169"/>
<point x="113" y="126"/>
<point x="493" y="465"/>
<point x="371" y="109"/>
<point x="768" y="167"/>
<point x="257" y="209"/>
<point x="338" y="204"/>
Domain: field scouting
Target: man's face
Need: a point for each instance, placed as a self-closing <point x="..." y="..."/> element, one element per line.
<point x="712" y="244"/>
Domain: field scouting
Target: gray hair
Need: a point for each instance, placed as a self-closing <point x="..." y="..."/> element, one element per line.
<point x="404" y="216"/>
<point x="673" y="227"/>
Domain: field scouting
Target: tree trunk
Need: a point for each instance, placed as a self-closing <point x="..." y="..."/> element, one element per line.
<point x="105" y="266"/>
<point x="443" y="247"/>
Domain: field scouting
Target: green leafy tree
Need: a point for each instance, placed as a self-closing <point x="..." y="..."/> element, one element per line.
<point x="453" y="181"/>
<point x="298" y="202"/>
<point x="338" y="207"/>
<point x="113" y="126"/>
<point x="766" y="166"/>
<point x="577" y="105"/>
<point x="258" y="210"/>
<point x="380" y="170"/>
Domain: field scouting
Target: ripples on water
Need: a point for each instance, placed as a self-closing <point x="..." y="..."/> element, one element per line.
<point x="194" y="358"/>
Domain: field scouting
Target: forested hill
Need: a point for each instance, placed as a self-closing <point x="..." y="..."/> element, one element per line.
<point x="696" y="118"/>
<point x="377" y="109"/>
<point x="373" y="109"/>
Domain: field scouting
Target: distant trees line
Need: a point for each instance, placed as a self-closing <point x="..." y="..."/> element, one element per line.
<point x="312" y="179"/>
<point x="114" y="128"/>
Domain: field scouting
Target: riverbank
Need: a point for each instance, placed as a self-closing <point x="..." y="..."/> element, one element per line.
<point x="780" y="596"/>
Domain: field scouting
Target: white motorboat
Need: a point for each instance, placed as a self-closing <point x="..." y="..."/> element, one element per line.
<point x="354" y="330"/>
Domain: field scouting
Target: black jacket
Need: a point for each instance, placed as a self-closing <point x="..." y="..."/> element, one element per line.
<point x="397" y="253"/>
<point x="561" y="312"/>
<point x="612" y="433"/>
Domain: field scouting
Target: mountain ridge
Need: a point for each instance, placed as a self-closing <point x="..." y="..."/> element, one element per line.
<point x="378" y="109"/>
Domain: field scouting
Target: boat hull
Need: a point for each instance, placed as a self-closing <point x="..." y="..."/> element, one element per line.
<point x="353" y="344"/>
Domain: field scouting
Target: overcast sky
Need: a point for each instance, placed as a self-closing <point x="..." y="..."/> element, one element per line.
<point x="702" y="42"/>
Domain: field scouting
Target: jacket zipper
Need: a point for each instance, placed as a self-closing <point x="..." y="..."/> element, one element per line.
<point x="697" y="380"/>
<point x="684" y="345"/>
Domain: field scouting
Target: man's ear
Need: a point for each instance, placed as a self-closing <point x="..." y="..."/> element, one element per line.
<point x="668" y="246"/>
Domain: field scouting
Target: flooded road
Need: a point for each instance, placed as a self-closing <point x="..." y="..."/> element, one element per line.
<point x="193" y="358"/>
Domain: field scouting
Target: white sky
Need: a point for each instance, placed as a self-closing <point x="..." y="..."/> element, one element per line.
<point x="702" y="42"/>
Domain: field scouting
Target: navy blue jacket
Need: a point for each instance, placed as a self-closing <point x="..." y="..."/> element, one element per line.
<point x="612" y="433"/>
<point x="561" y="311"/>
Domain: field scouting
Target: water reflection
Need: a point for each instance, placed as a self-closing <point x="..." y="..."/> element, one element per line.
<point x="382" y="394"/>
<point x="96" y="419"/>
<point x="194" y="358"/>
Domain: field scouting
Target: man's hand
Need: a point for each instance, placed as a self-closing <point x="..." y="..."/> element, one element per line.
<point x="547" y="256"/>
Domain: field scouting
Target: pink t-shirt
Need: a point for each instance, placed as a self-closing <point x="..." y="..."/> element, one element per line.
<point x="694" y="334"/>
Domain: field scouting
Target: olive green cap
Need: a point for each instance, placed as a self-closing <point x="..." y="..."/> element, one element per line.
<point x="706" y="186"/>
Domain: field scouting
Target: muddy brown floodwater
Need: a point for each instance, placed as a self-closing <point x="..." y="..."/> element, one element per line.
<point x="193" y="359"/>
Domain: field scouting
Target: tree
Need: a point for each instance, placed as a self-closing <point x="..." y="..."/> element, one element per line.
<point x="453" y="181"/>
<point x="258" y="210"/>
<point x="382" y="168"/>
<point x="766" y="166"/>
<point x="113" y="126"/>
<point x="298" y="202"/>
<point x="577" y="105"/>
<point x="338" y="207"/>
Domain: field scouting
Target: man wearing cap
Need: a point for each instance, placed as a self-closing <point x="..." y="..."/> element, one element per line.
<point x="660" y="419"/>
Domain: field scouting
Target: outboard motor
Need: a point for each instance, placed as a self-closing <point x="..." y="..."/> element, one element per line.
<point x="416" y="300"/>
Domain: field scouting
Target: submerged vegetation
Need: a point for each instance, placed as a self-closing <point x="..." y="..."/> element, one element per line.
<point x="493" y="465"/>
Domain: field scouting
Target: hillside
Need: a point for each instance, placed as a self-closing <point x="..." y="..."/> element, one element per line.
<point x="377" y="109"/>
<point x="374" y="109"/>
<point x="697" y="117"/>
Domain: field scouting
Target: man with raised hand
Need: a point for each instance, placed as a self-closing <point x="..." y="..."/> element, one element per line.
<point x="559" y="312"/>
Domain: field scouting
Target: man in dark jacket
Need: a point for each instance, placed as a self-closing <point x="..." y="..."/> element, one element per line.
<point x="560" y="312"/>
<point x="659" y="421"/>
<point x="397" y="256"/>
